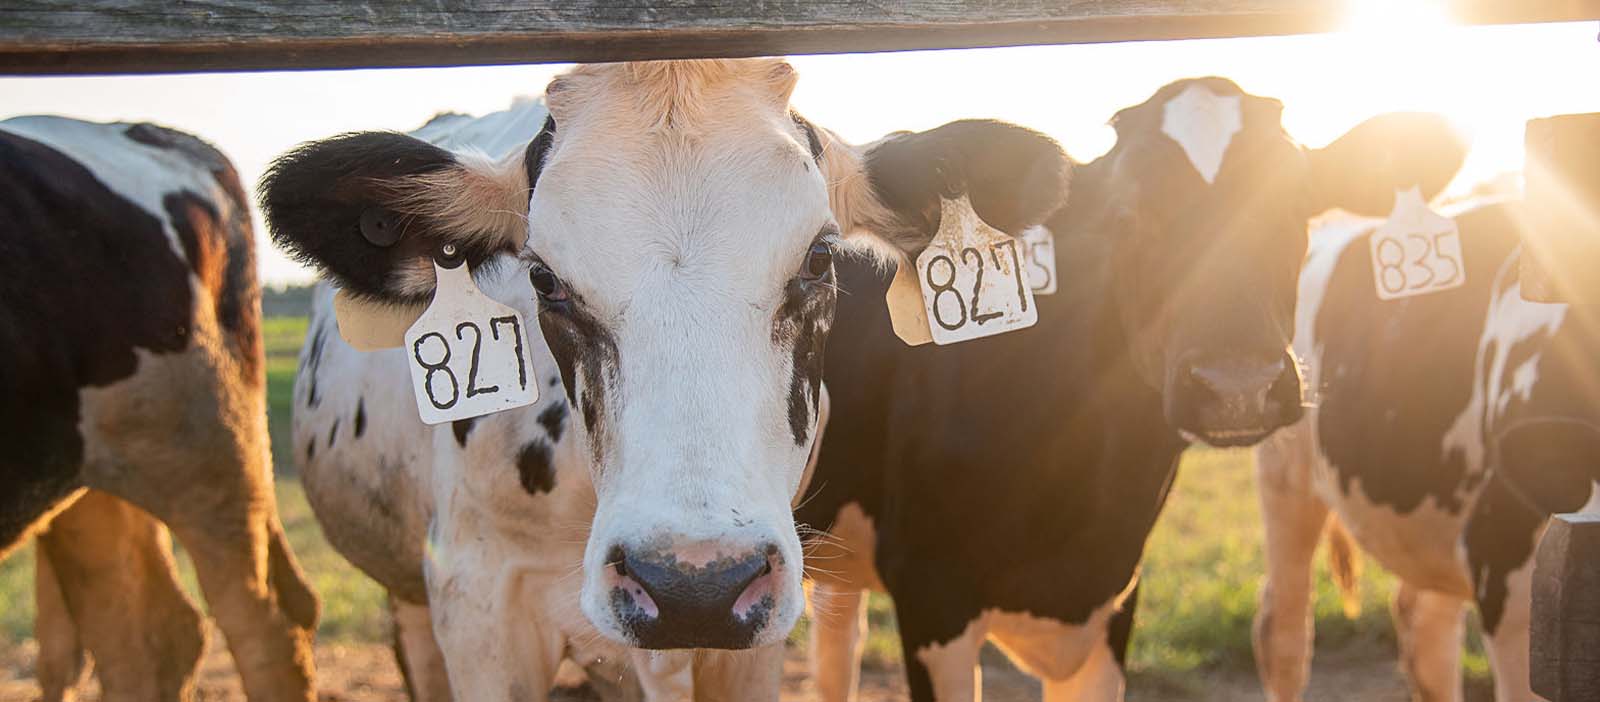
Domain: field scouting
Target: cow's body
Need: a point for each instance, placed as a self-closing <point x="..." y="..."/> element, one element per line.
<point x="1005" y="492"/>
<point x="1407" y="446"/>
<point x="133" y="366"/>
<point x="678" y="369"/>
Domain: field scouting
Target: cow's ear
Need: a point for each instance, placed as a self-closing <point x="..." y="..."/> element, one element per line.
<point x="1361" y="171"/>
<point x="890" y="190"/>
<point x="372" y="210"/>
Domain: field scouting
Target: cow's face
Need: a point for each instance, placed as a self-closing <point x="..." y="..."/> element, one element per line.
<point x="1208" y="199"/>
<point x="678" y="235"/>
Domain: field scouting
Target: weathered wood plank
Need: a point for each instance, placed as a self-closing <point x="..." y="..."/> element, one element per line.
<point x="135" y="36"/>
<point x="1565" y="646"/>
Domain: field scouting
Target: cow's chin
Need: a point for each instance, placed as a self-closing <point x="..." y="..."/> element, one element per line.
<point x="737" y="590"/>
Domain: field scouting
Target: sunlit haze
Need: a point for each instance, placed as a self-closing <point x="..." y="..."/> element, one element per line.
<point x="1488" y="79"/>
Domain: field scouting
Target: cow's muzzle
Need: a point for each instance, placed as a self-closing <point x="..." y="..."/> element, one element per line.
<point x="1233" y="401"/>
<point x="698" y="595"/>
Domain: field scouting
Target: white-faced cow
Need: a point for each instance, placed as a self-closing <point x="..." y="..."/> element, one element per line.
<point x="1005" y="491"/>
<point x="131" y="365"/>
<point x="671" y="228"/>
<point x="1445" y="428"/>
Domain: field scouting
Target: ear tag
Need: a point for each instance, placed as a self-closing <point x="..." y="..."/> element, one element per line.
<point x="971" y="281"/>
<point x="1416" y="251"/>
<point x="371" y="326"/>
<point x="1039" y="249"/>
<point x="468" y="355"/>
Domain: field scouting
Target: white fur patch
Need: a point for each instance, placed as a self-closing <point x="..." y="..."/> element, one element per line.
<point x="1203" y="123"/>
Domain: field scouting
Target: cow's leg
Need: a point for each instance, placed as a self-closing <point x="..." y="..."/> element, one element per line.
<point x="417" y="653"/>
<point x="1508" y="638"/>
<point x="838" y="621"/>
<point x="255" y="590"/>
<point x="939" y="668"/>
<point x="755" y="675"/>
<point x="1294" y="518"/>
<point x="1098" y="679"/>
<point x="62" y="664"/>
<point x="113" y="564"/>
<point x="1429" y="626"/>
<point x="496" y="639"/>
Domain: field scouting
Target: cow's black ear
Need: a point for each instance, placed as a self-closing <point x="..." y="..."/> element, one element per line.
<point x="372" y="209"/>
<point x="1014" y="176"/>
<point x="1361" y="171"/>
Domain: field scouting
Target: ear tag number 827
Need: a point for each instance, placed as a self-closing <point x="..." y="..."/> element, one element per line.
<point x="973" y="282"/>
<point x="1416" y="251"/>
<point x="468" y="354"/>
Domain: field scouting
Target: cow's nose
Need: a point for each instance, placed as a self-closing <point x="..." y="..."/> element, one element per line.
<point x="694" y="595"/>
<point x="1237" y="401"/>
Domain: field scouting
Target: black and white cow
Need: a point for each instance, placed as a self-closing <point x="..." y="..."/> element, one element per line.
<point x="1005" y="491"/>
<point x="131" y="365"/>
<point x="1445" y="429"/>
<point x="670" y="227"/>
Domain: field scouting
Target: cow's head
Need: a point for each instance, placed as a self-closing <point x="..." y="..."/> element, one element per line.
<point x="1206" y="199"/>
<point x="678" y="232"/>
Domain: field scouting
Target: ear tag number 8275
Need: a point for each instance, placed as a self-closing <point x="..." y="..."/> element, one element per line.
<point x="468" y="354"/>
<point x="1416" y="251"/>
<point x="973" y="283"/>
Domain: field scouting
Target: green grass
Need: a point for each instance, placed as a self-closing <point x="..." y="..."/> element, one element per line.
<point x="1202" y="565"/>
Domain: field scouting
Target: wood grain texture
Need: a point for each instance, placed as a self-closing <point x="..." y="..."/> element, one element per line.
<point x="1565" y="650"/>
<point x="139" y="36"/>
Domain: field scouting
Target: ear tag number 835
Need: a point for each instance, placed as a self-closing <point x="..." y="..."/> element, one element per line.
<point x="973" y="282"/>
<point x="1416" y="251"/>
<point x="468" y="354"/>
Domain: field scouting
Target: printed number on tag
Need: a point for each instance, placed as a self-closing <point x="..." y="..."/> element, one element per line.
<point x="1039" y="247"/>
<point x="972" y="279"/>
<point x="468" y="354"/>
<point x="1416" y="251"/>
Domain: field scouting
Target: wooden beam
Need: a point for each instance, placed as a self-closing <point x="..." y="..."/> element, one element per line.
<point x="154" y="36"/>
<point x="1565" y="646"/>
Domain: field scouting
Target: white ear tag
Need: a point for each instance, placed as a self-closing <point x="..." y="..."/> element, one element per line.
<point x="1039" y="247"/>
<point x="1416" y="251"/>
<point x="469" y="355"/>
<point x="972" y="283"/>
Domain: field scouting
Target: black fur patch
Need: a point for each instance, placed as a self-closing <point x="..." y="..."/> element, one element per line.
<point x="311" y="361"/>
<point x="538" y="149"/>
<point x="461" y="428"/>
<point x="534" y="468"/>
<point x="802" y="324"/>
<point x="87" y="277"/>
<point x="582" y="347"/>
<point x="314" y="196"/>
<point x="361" y="416"/>
<point x="333" y="433"/>
<point x="554" y="419"/>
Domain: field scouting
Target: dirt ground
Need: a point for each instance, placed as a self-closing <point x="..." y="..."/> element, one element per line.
<point x="366" y="673"/>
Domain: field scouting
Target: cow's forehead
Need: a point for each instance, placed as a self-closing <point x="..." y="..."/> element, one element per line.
<point x="1203" y="123"/>
<point x="730" y="212"/>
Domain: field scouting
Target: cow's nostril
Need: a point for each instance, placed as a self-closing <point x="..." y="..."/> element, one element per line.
<point x="618" y="559"/>
<point x="721" y="603"/>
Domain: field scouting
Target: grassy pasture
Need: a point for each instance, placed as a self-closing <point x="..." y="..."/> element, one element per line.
<point x="1202" y="567"/>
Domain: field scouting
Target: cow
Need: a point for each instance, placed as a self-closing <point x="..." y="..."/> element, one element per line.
<point x="1444" y="430"/>
<point x="1005" y="492"/>
<point x="671" y="227"/>
<point x="133" y="396"/>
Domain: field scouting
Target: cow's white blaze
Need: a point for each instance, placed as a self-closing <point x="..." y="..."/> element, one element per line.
<point x="1203" y="123"/>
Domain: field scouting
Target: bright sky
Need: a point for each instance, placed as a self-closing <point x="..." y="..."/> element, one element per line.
<point x="1489" y="79"/>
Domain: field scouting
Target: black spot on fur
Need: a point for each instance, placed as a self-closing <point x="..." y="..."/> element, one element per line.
<point x="553" y="419"/>
<point x="581" y="345"/>
<point x="333" y="433"/>
<point x="802" y="322"/>
<point x="538" y="148"/>
<point x="311" y="449"/>
<point x="361" y="417"/>
<point x="312" y="361"/>
<point x="534" y="468"/>
<point x="461" y="428"/>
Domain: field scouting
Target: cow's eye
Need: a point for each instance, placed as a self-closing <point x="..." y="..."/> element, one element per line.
<point x="819" y="261"/>
<point x="545" y="282"/>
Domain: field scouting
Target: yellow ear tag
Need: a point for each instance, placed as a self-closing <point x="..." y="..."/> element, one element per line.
<point x="371" y="326"/>
<point x="971" y="282"/>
